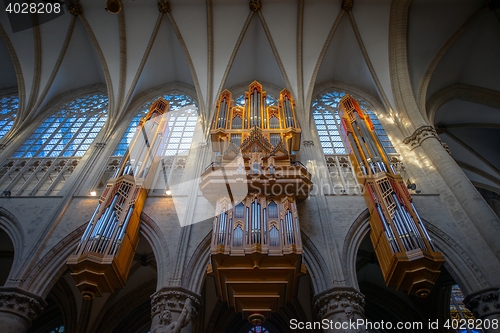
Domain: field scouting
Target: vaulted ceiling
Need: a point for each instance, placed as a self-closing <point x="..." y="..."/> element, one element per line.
<point x="452" y="58"/>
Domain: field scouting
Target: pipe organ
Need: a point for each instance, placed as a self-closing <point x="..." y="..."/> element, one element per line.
<point x="256" y="249"/>
<point x="102" y="259"/>
<point x="404" y="249"/>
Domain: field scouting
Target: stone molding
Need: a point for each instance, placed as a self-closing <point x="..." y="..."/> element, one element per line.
<point x="421" y="134"/>
<point x="172" y="309"/>
<point x="484" y="303"/>
<point x="343" y="300"/>
<point x="22" y="303"/>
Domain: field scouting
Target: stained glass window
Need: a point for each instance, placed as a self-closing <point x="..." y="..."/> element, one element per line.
<point x="181" y="125"/>
<point x="458" y="311"/>
<point x="43" y="162"/>
<point x="8" y="108"/>
<point x="327" y="120"/>
<point x="258" y="329"/>
<point x="68" y="132"/>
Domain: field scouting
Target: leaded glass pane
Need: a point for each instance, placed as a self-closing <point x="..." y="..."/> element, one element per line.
<point x="181" y="125"/>
<point x="8" y="109"/>
<point x="327" y="120"/>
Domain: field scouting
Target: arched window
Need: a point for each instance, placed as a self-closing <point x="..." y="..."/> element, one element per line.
<point x="8" y="108"/>
<point x="181" y="125"/>
<point x="325" y="114"/>
<point x="183" y="117"/>
<point x="458" y="311"/>
<point x="258" y="329"/>
<point x="43" y="162"/>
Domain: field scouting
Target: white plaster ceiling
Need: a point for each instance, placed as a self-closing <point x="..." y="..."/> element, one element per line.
<point x="297" y="44"/>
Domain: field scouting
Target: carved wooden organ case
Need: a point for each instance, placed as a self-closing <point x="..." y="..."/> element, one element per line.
<point x="103" y="257"/>
<point x="256" y="249"/>
<point x="407" y="257"/>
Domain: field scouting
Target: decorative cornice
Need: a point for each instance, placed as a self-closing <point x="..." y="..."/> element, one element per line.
<point x="484" y="303"/>
<point x="339" y="300"/>
<point x="421" y="134"/>
<point x="22" y="303"/>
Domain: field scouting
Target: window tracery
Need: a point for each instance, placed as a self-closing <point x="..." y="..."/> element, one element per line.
<point x="44" y="161"/>
<point x="328" y="124"/>
<point x="8" y="109"/>
<point x="183" y="117"/>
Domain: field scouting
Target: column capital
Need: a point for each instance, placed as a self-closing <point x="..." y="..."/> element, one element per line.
<point x="21" y="303"/>
<point x="340" y="300"/>
<point x="173" y="308"/>
<point x="484" y="303"/>
<point x="421" y="134"/>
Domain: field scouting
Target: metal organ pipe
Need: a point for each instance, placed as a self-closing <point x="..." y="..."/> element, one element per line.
<point x="422" y="226"/>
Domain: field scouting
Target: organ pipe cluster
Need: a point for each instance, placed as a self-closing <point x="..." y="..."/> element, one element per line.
<point x="102" y="259"/>
<point x="404" y="249"/>
<point x="254" y="183"/>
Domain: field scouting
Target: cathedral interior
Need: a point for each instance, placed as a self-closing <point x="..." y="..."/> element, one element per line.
<point x="262" y="166"/>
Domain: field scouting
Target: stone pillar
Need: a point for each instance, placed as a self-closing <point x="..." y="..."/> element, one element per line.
<point x="18" y="308"/>
<point x="485" y="305"/>
<point x="173" y="310"/>
<point x="478" y="211"/>
<point x="342" y="308"/>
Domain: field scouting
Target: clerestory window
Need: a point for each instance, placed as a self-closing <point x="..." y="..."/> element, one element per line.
<point x="42" y="163"/>
<point x="325" y="113"/>
<point x="8" y="109"/>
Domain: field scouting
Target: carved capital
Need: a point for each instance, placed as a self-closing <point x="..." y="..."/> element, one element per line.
<point x="347" y="5"/>
<point x="172" y="309"/>
<point x="344" y="303"/>
<point x="255" y="5"/>
<point x="308" y="143"/>
<point x="100" y="145"/>
<point x="484" y="303"/>
<point x="421" y="134"/>
<point x="164" y="6"/>
<point x="21" y="303"/>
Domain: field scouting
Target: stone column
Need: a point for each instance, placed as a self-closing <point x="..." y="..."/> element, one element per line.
<point x="478" y="211"/>
<point x="18" y="308"/>
<point x="485" y="305"/>
<point x="173" y="310"/>
<point x="342" y="309"/>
